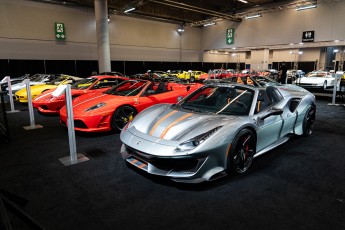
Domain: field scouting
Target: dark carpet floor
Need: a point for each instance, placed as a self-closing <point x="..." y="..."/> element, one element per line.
<point x="299" y="185"/>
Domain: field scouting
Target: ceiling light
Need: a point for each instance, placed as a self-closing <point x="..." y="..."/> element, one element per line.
<point x="233" y="48"/>
<point x="108" y="18"/>
<point x="336" y="40"/>
<point x="336" y="51"/>
<point x="253" y="16"/>
<point x="180" y="30"/>
<point x="244" y="1"/>
<point x="210" y="24"/>
<point x="305" y="7"/>
<point x="291" y="44"/>
<point x="129" y="10"/>
<point x="300" y="52"/>
<point x="301" y="43"/>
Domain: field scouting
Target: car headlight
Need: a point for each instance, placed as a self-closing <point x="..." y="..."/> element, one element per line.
<point x="196" y="141"/>
<point x="99" y="105"/>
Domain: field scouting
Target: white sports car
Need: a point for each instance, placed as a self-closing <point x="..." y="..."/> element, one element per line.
<point x="316" y="79"/>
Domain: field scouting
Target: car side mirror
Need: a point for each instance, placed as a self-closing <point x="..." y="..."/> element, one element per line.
<point x="272" y="112"/>
<point x="179" y="98"/>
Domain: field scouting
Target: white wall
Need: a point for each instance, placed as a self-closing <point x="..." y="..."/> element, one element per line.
<point x="27" y="32"/>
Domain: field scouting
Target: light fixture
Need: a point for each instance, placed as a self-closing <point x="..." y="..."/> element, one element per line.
<point x="210" y="24"/>
<point x="244" y="1"/>
<point x="335" y="51"/>
<point x="336" y="40"/>
<point x="233" y="48"/>
<point x="180" y="30"/>
<point x="253" y="16"/>
<point x="300" y="52"/>
<point x="109" y="18"/>
<point x="305" y="7"/>
<point x="129" y="10"/>
<point x="301" y="43"/>
<point x="291" y="44"/>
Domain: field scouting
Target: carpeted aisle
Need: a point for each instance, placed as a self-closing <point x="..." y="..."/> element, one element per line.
<point x="299" y="185"/>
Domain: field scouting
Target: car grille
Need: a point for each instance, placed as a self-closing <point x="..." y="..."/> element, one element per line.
<point x="185" y="165"/>
<point x="80" y="124"/>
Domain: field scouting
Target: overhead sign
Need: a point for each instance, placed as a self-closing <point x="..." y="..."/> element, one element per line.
<point x="230" y="35"/>
<point x="60" y="33"/>
<point x="308" y="36"/>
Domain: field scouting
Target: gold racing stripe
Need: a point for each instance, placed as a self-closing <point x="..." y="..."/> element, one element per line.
<point x="174" y="123"/>
<point x="161" y="120"/>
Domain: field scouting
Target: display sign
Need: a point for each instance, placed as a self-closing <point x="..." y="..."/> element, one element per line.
<point x="230" y="35"/>
<point x="308" y="36"/>
<point x="60" y="33"/>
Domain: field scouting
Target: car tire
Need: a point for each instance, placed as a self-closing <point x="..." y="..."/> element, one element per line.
<point x="308" y="121"/>
<point x="241" y="153"/>
<point x="122" y="116"/>
<point x="325" y="85"/>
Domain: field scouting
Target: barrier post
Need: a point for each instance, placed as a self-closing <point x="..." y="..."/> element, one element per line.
<point x="31" y="109"/>
<point x="74" y="158"/>
<point x="9" y="86"/>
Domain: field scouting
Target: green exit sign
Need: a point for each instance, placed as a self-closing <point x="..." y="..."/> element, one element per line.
<point x="230" y="36"/>
<point x="60" y="33"/>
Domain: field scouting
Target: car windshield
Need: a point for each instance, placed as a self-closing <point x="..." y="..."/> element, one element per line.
<point x="83" y="84"/>
<point x="265" y="81"/>
<point x="39" y="78"/>
<point x="128" y="88"/>
<point x="227" y="100"/>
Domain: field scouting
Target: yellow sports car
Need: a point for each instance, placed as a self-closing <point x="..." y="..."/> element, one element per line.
<point x="22" y="97"/>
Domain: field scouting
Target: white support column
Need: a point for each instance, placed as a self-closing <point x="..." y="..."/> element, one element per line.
<point x="102" y="30"/>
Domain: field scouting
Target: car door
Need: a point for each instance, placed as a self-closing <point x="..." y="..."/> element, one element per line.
<point x="268" y="129"/>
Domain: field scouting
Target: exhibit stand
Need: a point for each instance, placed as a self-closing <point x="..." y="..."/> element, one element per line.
<point x="4" y="130"/>
<point x="31" y="110"/>
<point x="337" y="79"/>
<point x="10" y="94"/>
<point x="74" y="158"/>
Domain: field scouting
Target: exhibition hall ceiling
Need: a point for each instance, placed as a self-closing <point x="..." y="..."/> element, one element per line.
<point x="191" y="12"/>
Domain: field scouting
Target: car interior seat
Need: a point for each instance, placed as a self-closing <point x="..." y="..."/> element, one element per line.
<point x="161" y="88"/>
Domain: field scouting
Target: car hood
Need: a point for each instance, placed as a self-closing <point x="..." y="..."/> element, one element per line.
<point x="85" y="102"/>
<point x="163" y="123"/>
<point x="36" y="89"/>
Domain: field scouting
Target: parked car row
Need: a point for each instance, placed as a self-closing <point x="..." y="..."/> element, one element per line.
<point x="188" y="132"/>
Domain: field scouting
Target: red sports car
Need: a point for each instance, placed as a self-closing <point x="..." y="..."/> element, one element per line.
<point x="48" y="104"/>
<point x="113" y="109"/>
<point x="216" y="74"/>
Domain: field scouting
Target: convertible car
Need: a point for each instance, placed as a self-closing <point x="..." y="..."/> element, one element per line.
<point x="113" y="109"/>
<point x="38" y="80"/>
<point x="216" y="130"/>
<point x="46" y="103"/>
<point x="22" y="96"/>
<point x="316" y="79"/>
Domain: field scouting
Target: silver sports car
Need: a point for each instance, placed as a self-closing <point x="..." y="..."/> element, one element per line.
<point x="216" y="130"/>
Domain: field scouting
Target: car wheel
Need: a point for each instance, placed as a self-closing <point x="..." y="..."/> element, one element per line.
<point x="325" y="85"/>
<point x="308" y="121"/>
<point x="122" y="116"/>
<point x="242" y="151"/>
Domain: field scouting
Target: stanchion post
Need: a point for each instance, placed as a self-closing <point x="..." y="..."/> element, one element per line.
<point x="31" y="109"/>
<point x="9" y="86"/>
<point x="74" y="158"/>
